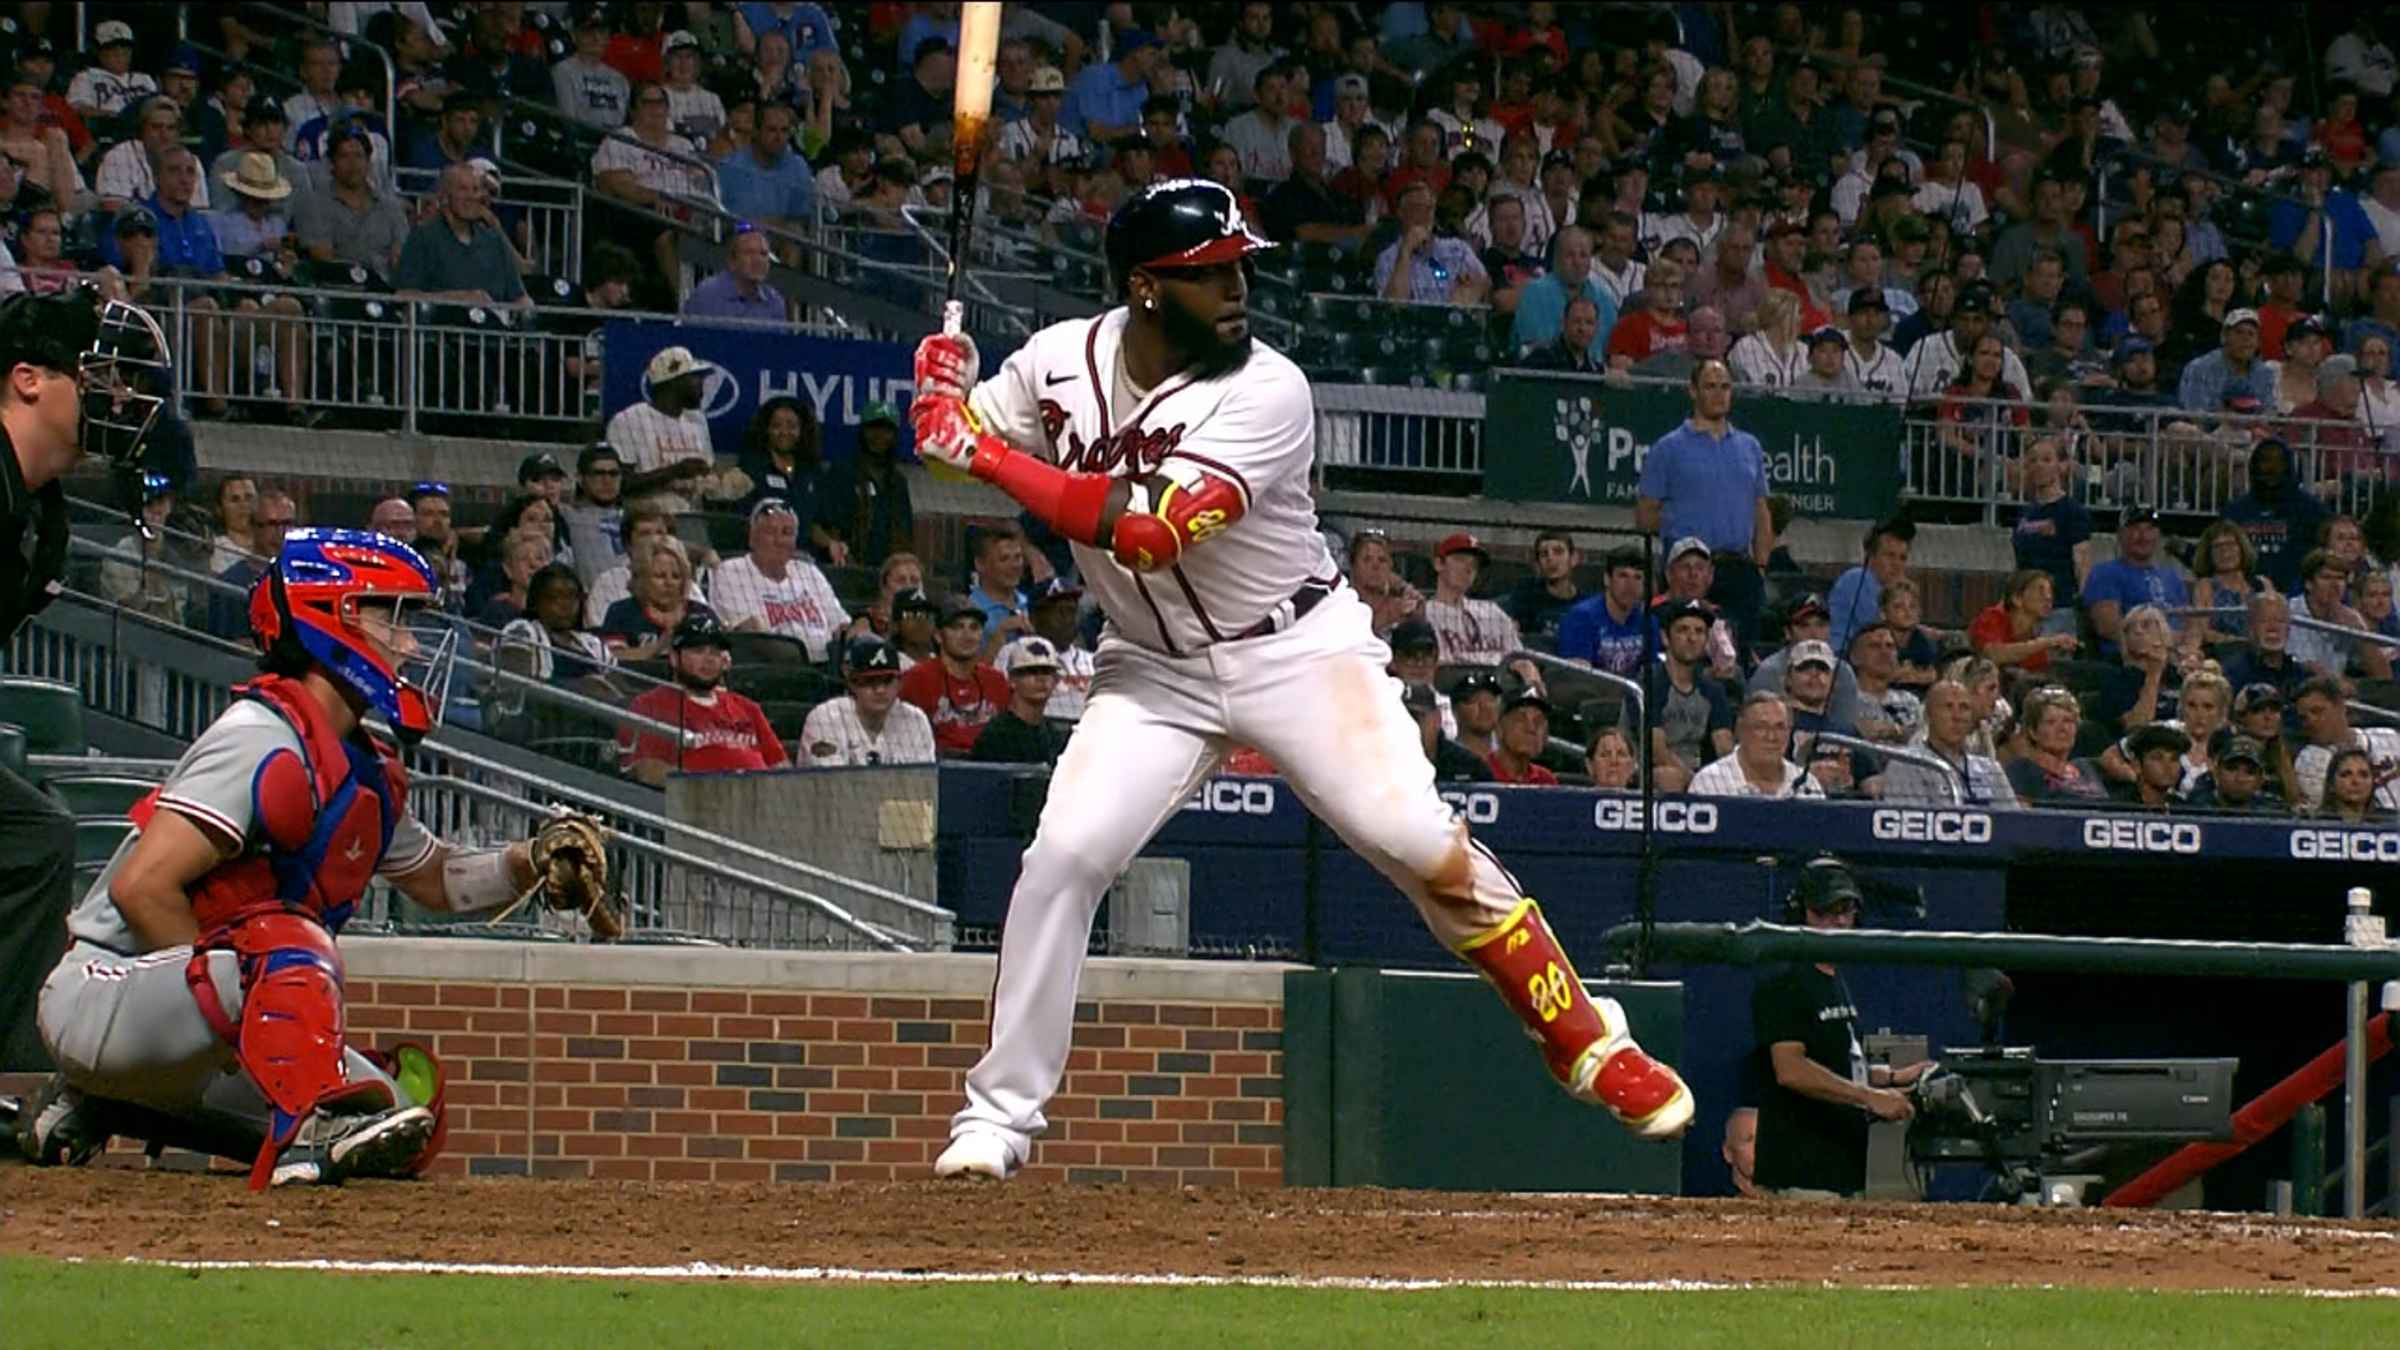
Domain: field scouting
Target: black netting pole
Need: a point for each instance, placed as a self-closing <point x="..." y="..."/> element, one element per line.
<point x="1645" y="881"/>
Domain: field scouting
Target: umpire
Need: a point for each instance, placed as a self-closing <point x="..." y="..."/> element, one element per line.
<point x="76" y="373"/>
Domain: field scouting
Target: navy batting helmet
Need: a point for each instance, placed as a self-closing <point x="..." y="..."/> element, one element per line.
<point x="1182" y="222"/>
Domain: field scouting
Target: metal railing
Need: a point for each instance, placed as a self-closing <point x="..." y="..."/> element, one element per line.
<point x="2176" y="460"/>
<point x="369" y="353"/>
<point x="1942" y="768"/>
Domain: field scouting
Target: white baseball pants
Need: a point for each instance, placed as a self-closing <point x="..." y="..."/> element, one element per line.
<point x="1317" y="700"/>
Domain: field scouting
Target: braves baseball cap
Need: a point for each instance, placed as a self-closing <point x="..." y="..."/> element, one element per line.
<point x="1046" y="80"/>
<point x="1974" y="300"/>
<point x="1806" y="605"/>
<point x="680" y="39"/>
<point x="1475" y="682"/>
<point x="2138" y="515"/>
<point x="538" y="466"/>
<point x="1057" y="588"/>
<point x="869" y="656"/>
<point x="593" y="454"/>
<point x="1869" y="297"/>
<point x="878" y="412"/>
<point x="111" y="33"/>
<point x="1690" y="543"/>
<point x="2307" y="325"/>
<point x="1828" y="333"/>
<point x="960" y="607"/>
<point x="1350" y="86"/>
<point x="2234" y="316"/>
<point x="698" y="630"/>
<point x="185" y="59"/>
<point x="914" y="600"/>
<point x="2131" y="347"/>
<point x="1527" y="697"/>
<point x="1462" y="542"/>
<point x="1671" y="610"/>
<point x="1413" y="635"/>
<point x="1811" y="653"/>
<point x="772" y="506"/>
<point x="1027" y="655"/>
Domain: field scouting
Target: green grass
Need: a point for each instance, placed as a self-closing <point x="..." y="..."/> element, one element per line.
<point x="45" y="1303"/>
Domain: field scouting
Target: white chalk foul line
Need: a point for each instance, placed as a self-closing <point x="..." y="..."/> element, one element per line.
<point x="704" y="1270"/>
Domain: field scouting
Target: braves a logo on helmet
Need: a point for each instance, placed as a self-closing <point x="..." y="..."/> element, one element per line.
<point x="1129" y="452"/>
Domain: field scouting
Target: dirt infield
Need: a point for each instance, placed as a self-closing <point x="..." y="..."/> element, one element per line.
<point x="108" y="1213"/>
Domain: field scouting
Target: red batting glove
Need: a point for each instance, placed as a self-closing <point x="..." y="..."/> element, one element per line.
<point x="947" y="364"/>
<point x="947" y="435"/>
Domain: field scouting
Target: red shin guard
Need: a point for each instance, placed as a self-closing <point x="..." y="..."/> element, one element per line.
<point x="1524" y="962"/>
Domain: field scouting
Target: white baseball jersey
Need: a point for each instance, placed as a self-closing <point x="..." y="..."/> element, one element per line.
<point x="799" y="604"/>
<point x="1880" y="371"/>
<point x="1754" y="360"/>
<point x="1064" y="395"/>
<point x="1473" y="632"/>
<point x="112" y="94"/>
<point x="648" y="439"/>
<point x="834" y="736"/>
<point x="1021" y="141"/>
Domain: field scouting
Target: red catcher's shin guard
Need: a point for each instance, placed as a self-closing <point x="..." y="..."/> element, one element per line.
<point x="1586" y="1041"/>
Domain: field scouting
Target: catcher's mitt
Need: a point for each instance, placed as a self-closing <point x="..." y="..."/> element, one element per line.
<point x="570" y="865"/>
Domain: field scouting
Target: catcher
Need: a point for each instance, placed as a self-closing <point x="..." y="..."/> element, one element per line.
<point x="199" y="1004"/>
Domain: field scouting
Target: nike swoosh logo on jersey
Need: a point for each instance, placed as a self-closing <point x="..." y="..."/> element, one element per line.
<point x="1049" y="380"/>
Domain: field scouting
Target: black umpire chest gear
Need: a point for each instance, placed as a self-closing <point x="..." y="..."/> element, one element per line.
<point x="33" y="543"/>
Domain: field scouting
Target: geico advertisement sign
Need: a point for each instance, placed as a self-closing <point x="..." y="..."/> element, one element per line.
<point x="1234" y="797"/>
<point x="1475" y="808"/>
<point x="1625" y="813"/>
<point x="2346" y="845"/>
<point x="1915" y="826"/>
<point x="2120" y="834"/>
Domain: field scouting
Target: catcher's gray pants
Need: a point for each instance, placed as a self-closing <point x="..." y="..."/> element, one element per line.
<point x="37" y="874"/>
<point x="126" y="1028"/>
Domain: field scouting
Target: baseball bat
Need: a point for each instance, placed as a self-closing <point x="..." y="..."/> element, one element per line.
<point x="970" y="114"/>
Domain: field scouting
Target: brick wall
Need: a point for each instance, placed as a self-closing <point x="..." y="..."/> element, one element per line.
<point x="696" y="1065"/>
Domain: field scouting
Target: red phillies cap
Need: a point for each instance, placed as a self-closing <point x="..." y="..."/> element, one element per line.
<point x="1462" y="542"/>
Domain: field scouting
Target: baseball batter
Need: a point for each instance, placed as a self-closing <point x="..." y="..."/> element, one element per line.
<point x="1174" y="451"/>
<point x="199" y="1003"/>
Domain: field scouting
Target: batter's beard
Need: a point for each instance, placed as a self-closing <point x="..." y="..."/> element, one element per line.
<point x="698" y="685"/>
<point x="1207" y="356"/>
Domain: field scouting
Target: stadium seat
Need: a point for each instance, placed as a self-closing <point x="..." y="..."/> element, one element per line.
<point x="12" y="749"/>
<point x="96" y="841"/>
<point x="100" y="795"/>
<point x="51" y="714"/>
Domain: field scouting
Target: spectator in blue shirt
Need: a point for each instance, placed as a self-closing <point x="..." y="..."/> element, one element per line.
<point x="922" y="25"/>
<point x="1708" y="479"/>
<point x="187" y="243"/>
<point x="741" y="290"/>
<point x="2232" y="369"/>
<point x="1105" y="102"/>
<point x="1857" y="599"/>
<point x="805" y="26"/>
<point x="2135" y="577"/>
<point x="1542" y="304"/>
<point x="765" y="183"/>
<point x="2299" y="226"/>
<point x="1611" y="630"/>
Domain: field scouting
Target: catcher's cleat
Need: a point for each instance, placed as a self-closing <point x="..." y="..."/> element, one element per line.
<point x="56" y="1129"/>
<point x="978" y="1155"/>
<point x="1645" y="1096"/>
<point x="331" y="1149"/>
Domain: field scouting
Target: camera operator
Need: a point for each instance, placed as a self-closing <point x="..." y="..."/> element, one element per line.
<point x="77" y="374"/>
<point x="1819" y="1094"/>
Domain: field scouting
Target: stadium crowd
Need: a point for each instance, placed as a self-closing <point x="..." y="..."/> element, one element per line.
<point x="2066" y="238"/>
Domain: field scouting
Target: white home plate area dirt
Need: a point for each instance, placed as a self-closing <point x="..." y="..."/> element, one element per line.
<point x="108" y="1213"/>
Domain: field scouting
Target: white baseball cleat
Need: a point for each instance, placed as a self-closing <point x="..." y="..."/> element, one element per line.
<point x="978" y="1155"/>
